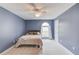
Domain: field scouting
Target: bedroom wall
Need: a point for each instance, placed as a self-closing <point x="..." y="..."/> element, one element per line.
<point x="11" y="27"/>
<point x="69" y="29"/>
<point x="36" y="25"/>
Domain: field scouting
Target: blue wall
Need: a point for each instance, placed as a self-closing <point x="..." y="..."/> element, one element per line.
<point x="36" y="25"/>
<point x="11" y="27"/>
<point x="69" y="29"/>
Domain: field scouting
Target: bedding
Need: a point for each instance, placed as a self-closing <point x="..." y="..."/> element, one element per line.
<point x="33" y="32"/>
<point x="29" y="40"/>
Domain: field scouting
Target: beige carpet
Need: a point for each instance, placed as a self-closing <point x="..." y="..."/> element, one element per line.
<point x="23" y="51"/>
<point x="50" y="47"/>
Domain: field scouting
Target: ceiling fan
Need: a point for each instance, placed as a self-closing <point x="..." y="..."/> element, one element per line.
<point x="37" y="9"/>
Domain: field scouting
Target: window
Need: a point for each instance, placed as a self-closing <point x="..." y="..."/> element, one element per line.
<point x="46" y="30"/>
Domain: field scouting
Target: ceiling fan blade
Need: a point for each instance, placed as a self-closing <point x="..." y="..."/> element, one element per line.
<point x="36" y="6"/>
<point x="33" y="5"/>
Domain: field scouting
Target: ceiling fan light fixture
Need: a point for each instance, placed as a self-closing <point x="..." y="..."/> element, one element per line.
<point x="37" y="14"/>
<point x="37" y="9"/>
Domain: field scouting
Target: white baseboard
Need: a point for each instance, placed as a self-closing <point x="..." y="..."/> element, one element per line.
<point x="68" y="51"/>
<point x="7" y="50"/>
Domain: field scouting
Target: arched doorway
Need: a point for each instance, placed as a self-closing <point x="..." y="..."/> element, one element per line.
<point x="46" y="31"/>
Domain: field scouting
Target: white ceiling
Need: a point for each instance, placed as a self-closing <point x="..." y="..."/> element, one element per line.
<point x="53" y="10"/>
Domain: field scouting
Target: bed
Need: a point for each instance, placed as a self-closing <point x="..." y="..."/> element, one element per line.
<point x="32" y="37"/>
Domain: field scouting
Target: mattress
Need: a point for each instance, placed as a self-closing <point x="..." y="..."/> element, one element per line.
<point x="29" y="40"/>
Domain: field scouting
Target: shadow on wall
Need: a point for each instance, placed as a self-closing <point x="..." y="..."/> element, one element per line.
<point x="11" y="27"/>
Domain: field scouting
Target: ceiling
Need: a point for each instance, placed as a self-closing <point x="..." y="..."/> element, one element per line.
<point x="53" y="10"/>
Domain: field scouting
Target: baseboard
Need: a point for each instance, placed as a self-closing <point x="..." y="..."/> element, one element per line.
<point x="70" y="53"/>
<point x="7" y="50"/>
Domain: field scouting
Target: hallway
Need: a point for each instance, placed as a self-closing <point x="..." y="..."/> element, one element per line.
<point x="50" y="47"/>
